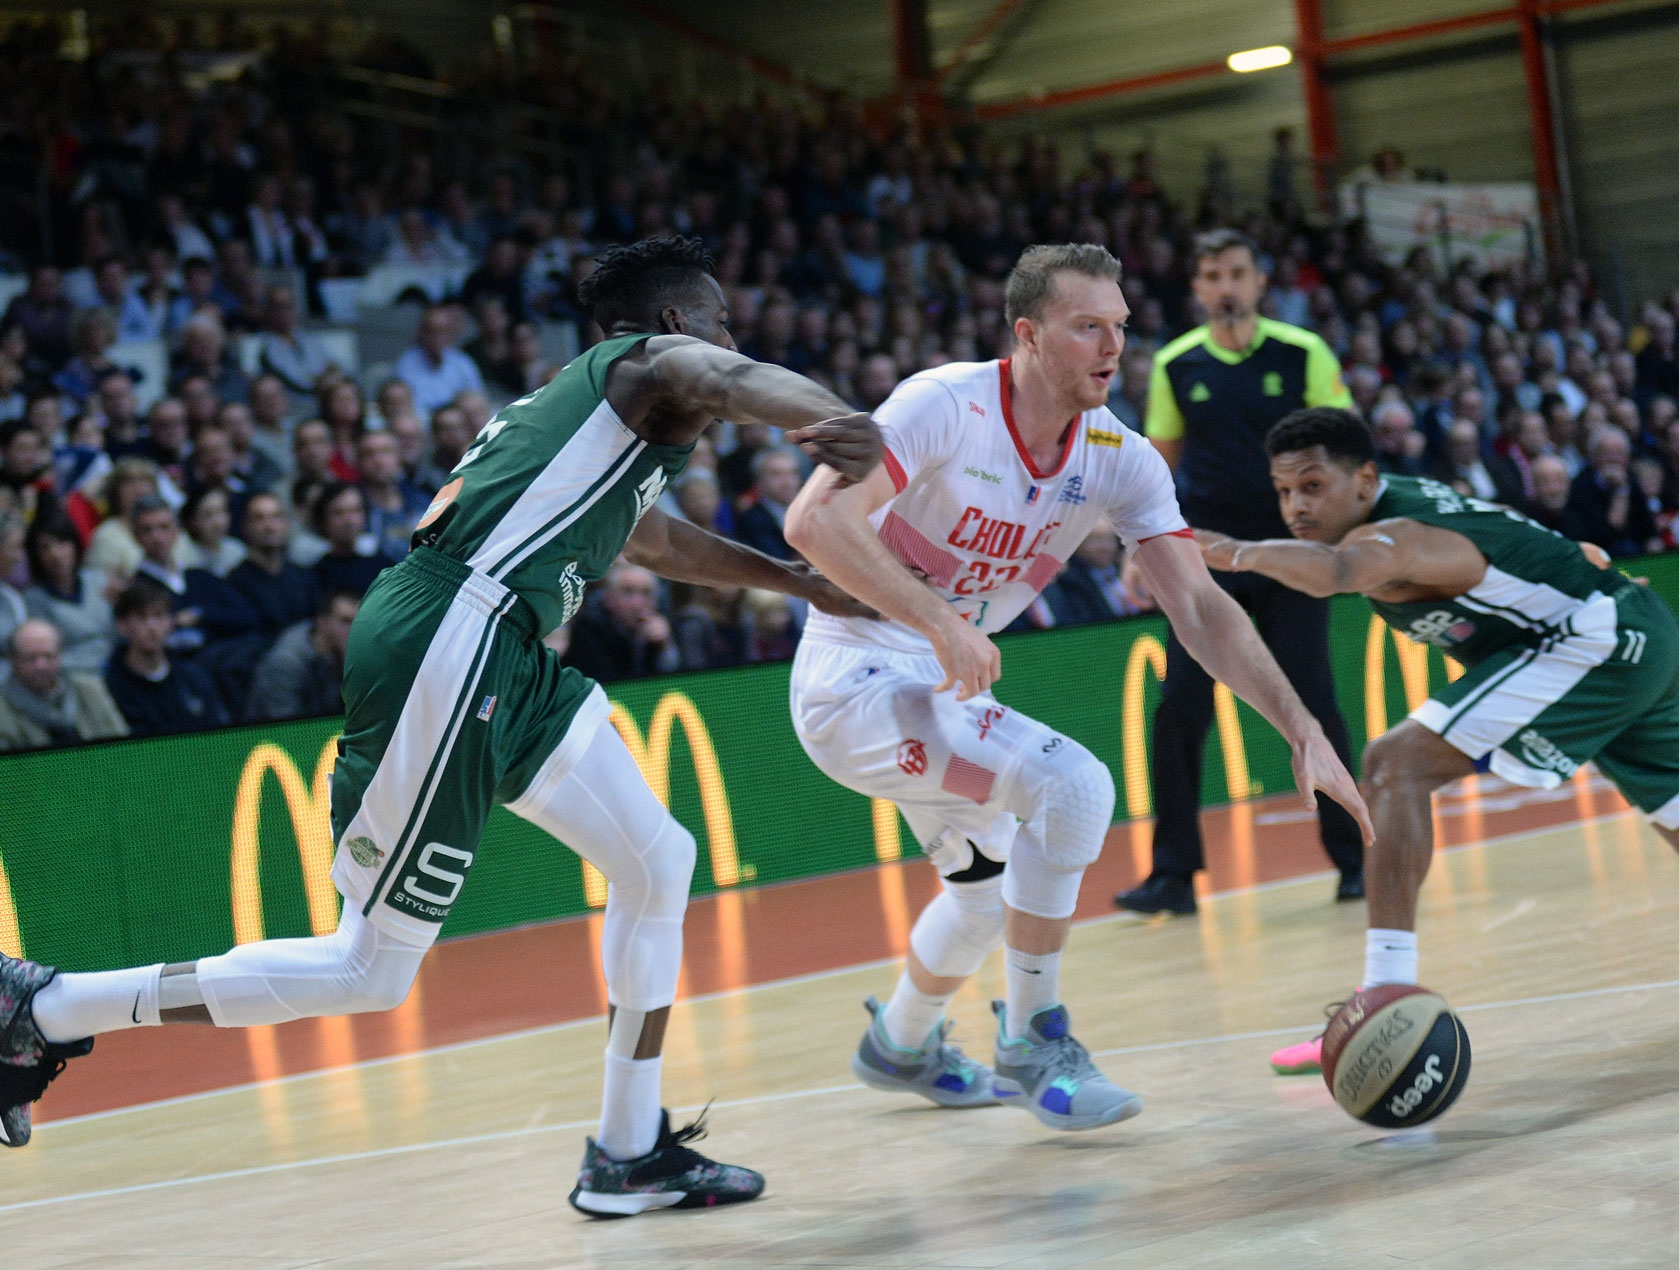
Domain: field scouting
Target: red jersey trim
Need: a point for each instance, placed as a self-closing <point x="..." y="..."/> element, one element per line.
<point x="895" y="470"/>
<point x="1172" y="533"/>
<point x="1014" y="435"/>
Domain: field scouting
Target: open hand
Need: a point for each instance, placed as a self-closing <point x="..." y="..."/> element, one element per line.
<point x="1317" y="768"/>
<point x="972" y="663"/>
<point x="850" y="444"/>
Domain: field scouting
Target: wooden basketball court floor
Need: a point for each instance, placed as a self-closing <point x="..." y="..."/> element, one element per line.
<point x="1548" y="921"/>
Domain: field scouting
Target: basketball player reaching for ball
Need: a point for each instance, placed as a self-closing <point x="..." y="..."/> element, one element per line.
<point x="994" y="473"/>
<point x="454" y="705"/>
<point x="1565" y="658"/>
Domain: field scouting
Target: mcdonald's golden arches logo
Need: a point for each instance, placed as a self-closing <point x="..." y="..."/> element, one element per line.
<point x="311" y="816"/>
<point x="1149" y="654"/>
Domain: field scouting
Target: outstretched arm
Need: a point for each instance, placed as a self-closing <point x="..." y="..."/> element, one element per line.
<point x="1219" y="635"/>
<point x="683" y="552"/>
<point x="1369" y="558"/>
<point x="701" y="378"/>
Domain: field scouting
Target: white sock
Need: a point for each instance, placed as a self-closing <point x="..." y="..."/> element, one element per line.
<point x="76" y="1005"/>
<point x="911" y="1014"/>
<point x="629" y="1108"/>
<point x="1390" y="956"/>
<point x="1034" y="984"/>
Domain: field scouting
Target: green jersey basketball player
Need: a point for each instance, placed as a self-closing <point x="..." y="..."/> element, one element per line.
<point x="453" y="704"/>
<point x="1565" y="659"/>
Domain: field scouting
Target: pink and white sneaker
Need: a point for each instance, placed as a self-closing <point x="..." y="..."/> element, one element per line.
<point x="1304" y="1059"/>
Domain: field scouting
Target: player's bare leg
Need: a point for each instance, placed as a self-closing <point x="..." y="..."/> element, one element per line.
<point x="1402" y="769"/>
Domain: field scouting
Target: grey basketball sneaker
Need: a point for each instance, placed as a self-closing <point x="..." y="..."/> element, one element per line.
<point x="671" y="1175"/>
<point x="1055" y="1077"/>
<point x="938" y="1071"/>
<point x="28" y="1061"/>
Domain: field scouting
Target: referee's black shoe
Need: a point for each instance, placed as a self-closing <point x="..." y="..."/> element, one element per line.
<point x="1351" y="886"/>
<point x="1161" y="893"/>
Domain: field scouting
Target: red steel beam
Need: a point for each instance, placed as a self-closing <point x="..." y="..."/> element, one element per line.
<point x="983" y="30"/>
<point x="717" y="44"/>
<point x="1541" y="122"/>
<point x="1320" y="114"/>
<point x="1095" y="92"/>
<point x="1327" y="49"/>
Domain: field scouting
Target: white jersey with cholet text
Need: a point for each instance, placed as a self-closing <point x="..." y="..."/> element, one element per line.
<point x="977" y="518"/>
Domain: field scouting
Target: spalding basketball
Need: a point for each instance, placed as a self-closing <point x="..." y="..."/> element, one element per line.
<point x="1395" y="1056"/>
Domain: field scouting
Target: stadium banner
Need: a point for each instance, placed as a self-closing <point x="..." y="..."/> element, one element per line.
<point x="133" y="852"/>
<point x="1491" y="224"/>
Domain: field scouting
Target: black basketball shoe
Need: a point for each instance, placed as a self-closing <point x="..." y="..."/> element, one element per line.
<point x="28" y="1061"/>
<point x="671" y="1175"/>
<point x="1161" y="893"/>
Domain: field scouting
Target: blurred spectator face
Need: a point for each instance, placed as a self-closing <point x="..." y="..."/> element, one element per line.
<point x="876" y="379"/>
<point x="628" y="595"/>
<point x="778" y="477"/>
<point x="282" y="310"/>
<point x="1670" y="446"/>
<point x="1228" y="285"/>
<point x="198" y="279"/>
<point x="198" y="399"/>
<point x="111" y="280"/>
<point x="312" y="449"/>
<point x="410" y="439"/>
<point x="1393" y="426"/>
<point x="157" y="532"/>
<point x="234" y="418"/>
<point x="378" y="459"/>
<point x="55" y="559"/>
<point x="698" y="497"/>
<point x="24" y="456"/>
<point x="210" y="520"/>
<point x="1610" y="455"/>
<point x="35" y="649"/>
<point x="266" y="526"/>
<point x="343" y="406"/>
<point x="451" y="433"/>
<point x="395" y="399"/>
<point x="1507" y="371"/>
<point x="269" y="402"/>
<point x="86" y="431"/>
<point x="436" y="332"/>
<point x="45" y="414"/>
<point x="1100" y="549"/>
<point x="1463" y="443"/>
<point x="503" y="258"/>
<point x="1533" y="438"/>
<point x="117" y="401"/>
<point x="526" y="344"/>
<point x="1650" y="477"/>
<point x="1624" y="415"/>
<point x="478" y="411"/>
<point x="332" y="628"/>
<point x="202" y="342"/>
<point x="212" y="457"/>
<point x="1560" y="424"/>
<point x="1471" y="405"/>
<point x="1600" y="387"/>
<point x="343" y="520"/>
<point x="1365" y="385"/>
<point x="168" y="426"/>
<point x="1550" y="483"/>
<point x="46" y="285"/>
<point x="492" y="318"/>
<point x="147" y="631"/>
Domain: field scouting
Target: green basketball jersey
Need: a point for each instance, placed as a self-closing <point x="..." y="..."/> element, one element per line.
<point x="1536" y="579"/>
<point x="548" y="494"/>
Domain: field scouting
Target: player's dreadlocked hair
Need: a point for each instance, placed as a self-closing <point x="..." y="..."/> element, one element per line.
<point x="633" y="284"/>
<point x="1343" y="435"/>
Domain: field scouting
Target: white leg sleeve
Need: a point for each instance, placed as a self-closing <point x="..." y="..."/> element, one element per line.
<point x="356" y="969"/>
<point x="1065" y="801"/>
<point x="604" y="811"/>
<point x="960" y="928"/>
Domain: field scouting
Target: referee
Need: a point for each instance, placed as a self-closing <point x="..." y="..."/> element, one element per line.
<point x="1215" y="393"/>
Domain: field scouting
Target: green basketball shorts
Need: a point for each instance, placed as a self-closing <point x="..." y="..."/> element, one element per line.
<point x="452" y="705"/>
<point x="1605" y="690"/>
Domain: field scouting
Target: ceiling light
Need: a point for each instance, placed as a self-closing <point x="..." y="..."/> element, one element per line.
<point x="1260" y="59"/>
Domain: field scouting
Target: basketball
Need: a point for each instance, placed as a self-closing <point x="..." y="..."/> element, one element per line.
<point x="1395" y="1056"/>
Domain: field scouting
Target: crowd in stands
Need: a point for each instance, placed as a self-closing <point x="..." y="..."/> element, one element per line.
<point x="199" y="562"/>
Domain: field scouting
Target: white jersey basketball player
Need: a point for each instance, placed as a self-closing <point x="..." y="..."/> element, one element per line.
<point x="994" y="473"/>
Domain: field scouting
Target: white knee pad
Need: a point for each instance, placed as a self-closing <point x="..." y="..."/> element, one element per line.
<point x="1065" y="799"/>
<point x="357" y="969"/>
<point x="646" y="898"/>
<point x="960" y="928"/>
